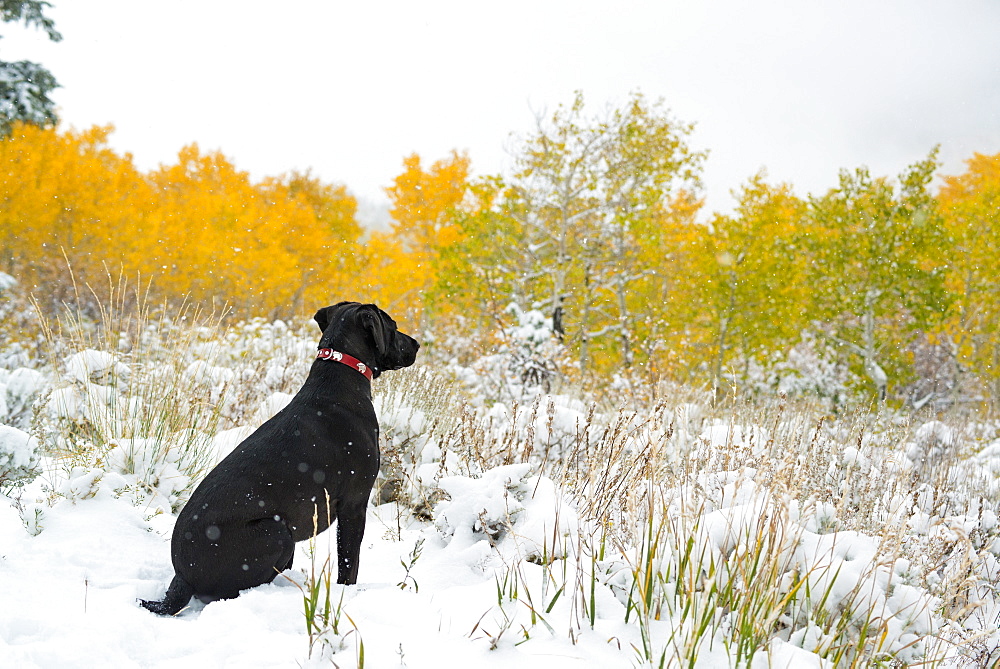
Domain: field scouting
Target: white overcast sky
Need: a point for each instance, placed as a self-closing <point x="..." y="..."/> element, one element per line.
<point x="802" y="88"/>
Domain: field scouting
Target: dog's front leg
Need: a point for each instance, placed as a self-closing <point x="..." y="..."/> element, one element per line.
<point x="350" y="533"/>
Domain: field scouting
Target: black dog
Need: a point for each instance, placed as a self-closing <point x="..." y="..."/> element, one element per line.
<point x="240" y="526"/>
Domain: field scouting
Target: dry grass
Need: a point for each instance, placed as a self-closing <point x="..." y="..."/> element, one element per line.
<point x="646" y="481"/>
<point x="180" y="376"/>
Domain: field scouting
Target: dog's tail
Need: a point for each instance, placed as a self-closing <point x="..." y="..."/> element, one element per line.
<point x="178" y="595"/>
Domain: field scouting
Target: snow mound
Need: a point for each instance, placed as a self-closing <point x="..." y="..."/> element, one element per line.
<point x="204" y="373"/>
<point x="17" y="391"/>
<point x="509" y="508"/>
<point x="91" y="366"/>
<point x="19" y="456"/>
<point x="271" y="406"/>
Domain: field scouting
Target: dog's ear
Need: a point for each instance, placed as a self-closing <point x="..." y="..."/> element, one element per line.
<point x="322" y="318"/>
<point x="373" y="323"/>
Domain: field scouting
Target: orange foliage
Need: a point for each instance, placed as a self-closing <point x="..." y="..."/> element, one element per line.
<point x="65" y="193"/>
<point x="406" y="262"/>
<point x="391" y="277"/>
<point x="423" y="202"/>
<point x="199" y="229"/>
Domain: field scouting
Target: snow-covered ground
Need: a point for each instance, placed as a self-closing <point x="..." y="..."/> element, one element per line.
<point x="548" y="534"/>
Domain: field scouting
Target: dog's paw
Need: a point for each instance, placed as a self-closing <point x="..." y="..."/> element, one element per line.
<point x="155" y="607"/>
<point x="159" y="608"/>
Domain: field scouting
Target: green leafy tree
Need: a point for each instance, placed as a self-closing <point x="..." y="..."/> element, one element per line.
<point x="649" y="177"/>
<point x="479" y="274"/>
<point x="877" y="273"/>
<point x="25" y="86"/>
<point x="579" y="229"/>
<point x="753" y="278"/>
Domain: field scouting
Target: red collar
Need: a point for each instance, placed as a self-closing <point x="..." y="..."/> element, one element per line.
<point x="343" y="358"/>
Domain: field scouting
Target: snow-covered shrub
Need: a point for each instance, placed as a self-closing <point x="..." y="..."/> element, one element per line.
<point x="525" y="364"/>
<point x="134" y="402"/>
<point x="19" y="457"/>
<point x="99" y="367"/>
<point x="271" y="405"/>
<point x="262" y="358"/>
<point x="116" y="418"/>
<point x="932" y="441"/>
<point x="18" y="391"/>
<point x="549" y="428"/>
<point x="808" y="370"/>
<point x="509" y="505"/>
<point x="416" y="409"/>
<point x="485" y="507"/>
<point x="82" y="483"/>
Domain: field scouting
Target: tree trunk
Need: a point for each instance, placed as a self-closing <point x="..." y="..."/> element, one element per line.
<point x="870" y="346"/>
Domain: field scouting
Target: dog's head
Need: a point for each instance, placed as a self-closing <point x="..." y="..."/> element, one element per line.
<point x="367" y="333"/>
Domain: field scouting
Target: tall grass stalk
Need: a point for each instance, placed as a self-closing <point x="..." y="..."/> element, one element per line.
<point x="322" y="615"/>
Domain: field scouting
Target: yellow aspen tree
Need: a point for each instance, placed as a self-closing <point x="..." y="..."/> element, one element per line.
<point x="425" y="210"/>
<point x="66" y="195"/>
<point x="754" y="291"/>
<point x="318" y="234"/>
<point x="206" y="217"/>
<point x="970" y="207"/>
<point x="585" y="205"/>
<point x="877" y="271"/>
<point x="391" y="277"/>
